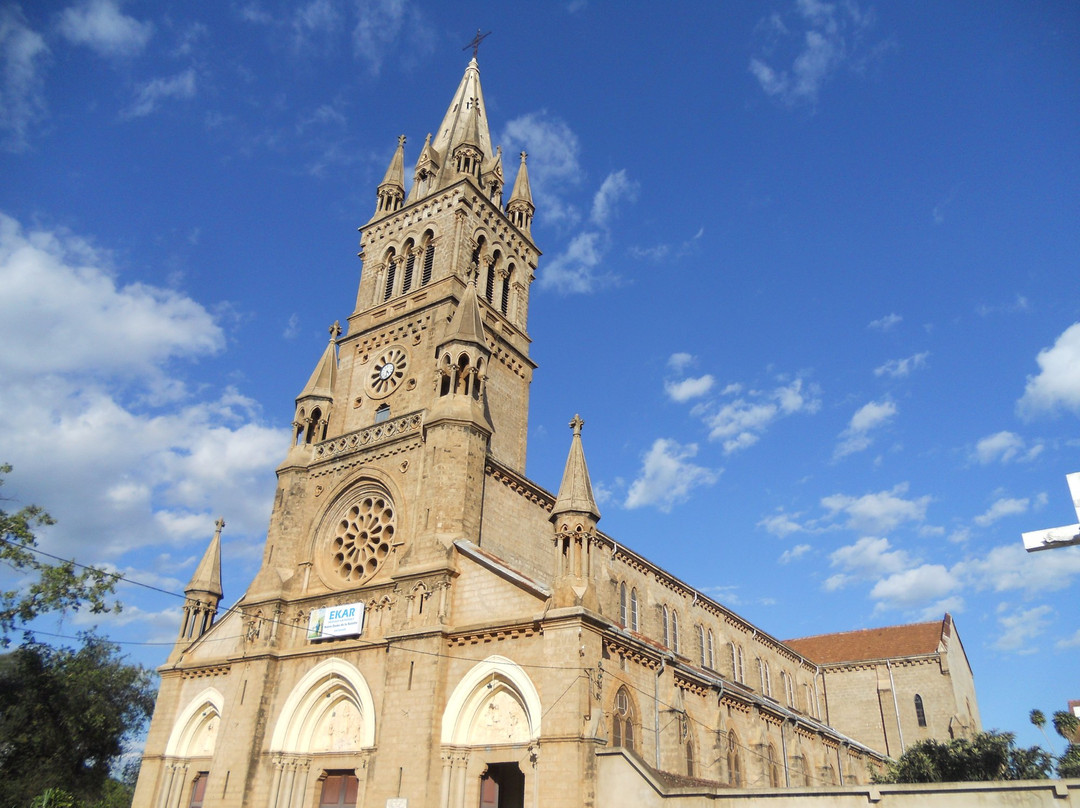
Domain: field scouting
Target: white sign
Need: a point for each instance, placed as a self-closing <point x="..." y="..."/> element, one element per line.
<point x="1057" y="536"/>
<point x="397" y="802"/>
<point x="336" y="621"/>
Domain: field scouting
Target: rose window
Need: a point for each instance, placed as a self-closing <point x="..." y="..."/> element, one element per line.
<point x="387" y="371"/>
<point x="363" y="537"/>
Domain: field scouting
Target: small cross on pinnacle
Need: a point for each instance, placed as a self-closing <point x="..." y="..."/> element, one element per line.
<point x="218" y="525"/>
<point x="524" y="156"/>
<point x="401" y="140"/>
<point x="576" y="425"/>
<point x="475" y="44"/>
<point x="335" y="329"/>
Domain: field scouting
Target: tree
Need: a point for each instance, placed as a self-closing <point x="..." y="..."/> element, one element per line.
<point x="46" y="587"/>
<point x="65" y="717"/>
<point x="984" y="756"/>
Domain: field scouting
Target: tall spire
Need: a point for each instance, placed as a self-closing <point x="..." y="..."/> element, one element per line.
<point x="575" y="491"/>
<point x="520" y="208"/>
<point x="391" y="191"/>
<point x="202" y="594"/>
<point x="465" y="123"/>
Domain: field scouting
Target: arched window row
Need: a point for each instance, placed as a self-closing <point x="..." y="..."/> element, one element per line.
<point x="495" y="275"/>
<point x="411" y="268"/>
<point x="461" y="377"/>
<point x="309" y="428"/>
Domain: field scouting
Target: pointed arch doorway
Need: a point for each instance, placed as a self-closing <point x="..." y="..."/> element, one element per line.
<point x="490" y="735"/>
<point x="502" y="786"/>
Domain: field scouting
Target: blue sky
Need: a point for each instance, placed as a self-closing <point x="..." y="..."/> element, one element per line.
<point x="809" y="276"/>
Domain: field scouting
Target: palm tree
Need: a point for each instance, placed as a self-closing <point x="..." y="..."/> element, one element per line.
<point x="1039" y="720"/>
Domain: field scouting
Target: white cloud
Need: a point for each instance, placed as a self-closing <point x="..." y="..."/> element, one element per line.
<point x="886" y="323"/>
<point x="1019" y="628"/>
<point x="667" y="476"/>
<point x="133" y="458"/>
<point x="153" y="92"/>
<point x="796" y="552"/>
<point x="1069" y="642"/>
<point x="856" y="437"/>
<point x="914" y="588"/>
<point x="1057" y="385"/>
<point x="382" y="24"/>
<point x="740" y="422"/>
<point x="104" y="28"/>
<point x="554" y="161"/>
<point x="870" y="557"/>
<point x="781" y="524"/>
<point x="901" y="368"/>
<point x="616" y="187"/>
<point x="825" y="35"/>
<point x="1001" y="509"/>
<point x="1010" y="568"/>
<point x="1004" y="447"/>
<point x="678" y="362"/>
<point x="574" y="271"/>
<point x="687" y="389"/>
<point x="879" y="512"/>
<point x="22" y="56"/>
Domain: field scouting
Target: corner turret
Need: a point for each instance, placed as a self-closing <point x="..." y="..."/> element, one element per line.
<point x="391" y="191"/>
<point x="575" y="516"/>
<point x="203" y="593"/>
<point x="520" y="208"/>
<point x="316" y="399"/>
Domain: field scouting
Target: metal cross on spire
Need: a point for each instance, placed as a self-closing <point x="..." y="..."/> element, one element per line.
<point x="475" y="44"/>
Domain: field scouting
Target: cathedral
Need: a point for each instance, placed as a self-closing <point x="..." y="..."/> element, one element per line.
<point x="429" y="628"/>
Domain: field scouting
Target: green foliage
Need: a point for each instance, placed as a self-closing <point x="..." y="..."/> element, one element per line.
<point x="985" y="756"/>
<point x="1037" y="718"/>
<point x="1067" y="726"/>
<point x="1068" y="765"/>
<point x="49" y="587"/>
<point x="65" y="717"/>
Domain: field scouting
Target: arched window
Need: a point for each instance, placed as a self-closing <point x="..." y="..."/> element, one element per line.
<point x="314" y="426"/>
<point x="504" y="304"/>
<point x="489" y="281"/>
<point x="766" y="680"/>
<point x="391" y="274"/>
<point x="701" y="643"/>
<point x="633" y="610"/>
<point x="689" y="759"/>
<point x="920" y="713"/>
<point x="664" y="625"/>
<point x="675" y="631"/>
<point x="712" y="651"/>
<point x="734" y="764"/>
<point x="339" y="790"/>
<point x="410" y="265"/>
<point x="622" y="720"/>
<point x="789" y="689"/>
<point x="773" y="766"/>
<point x="198" y="790"/>
<point x="622" y="604"/>
<point x="429" y="262"/>
<point x="740" y="669"/>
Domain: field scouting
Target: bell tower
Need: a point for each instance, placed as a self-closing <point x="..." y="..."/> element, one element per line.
<point x="429" y="383"/>
<point x="420" y="251"/>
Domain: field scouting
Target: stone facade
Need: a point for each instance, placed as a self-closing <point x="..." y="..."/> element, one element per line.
<point x="892" y="687"/>
<point x="499" y="639"/>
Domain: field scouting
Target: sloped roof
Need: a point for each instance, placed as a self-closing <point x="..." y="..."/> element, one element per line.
<point x="874" y="643"/>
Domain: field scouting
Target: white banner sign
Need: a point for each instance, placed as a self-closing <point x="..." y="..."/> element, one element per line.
<point x="336" y="621"/>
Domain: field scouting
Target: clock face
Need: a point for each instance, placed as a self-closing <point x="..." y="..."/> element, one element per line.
<point x="387" y="371"/>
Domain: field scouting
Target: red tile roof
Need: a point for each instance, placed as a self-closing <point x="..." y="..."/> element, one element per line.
<point x="874" y="643"/>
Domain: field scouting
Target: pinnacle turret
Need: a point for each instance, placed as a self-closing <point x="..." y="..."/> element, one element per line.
<point x="575" y="491"/>
<point x="520" y="208"/>
<point x="314" y="402"/>
<point x="203" y="592"/>
<point x="391" y="191"/>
